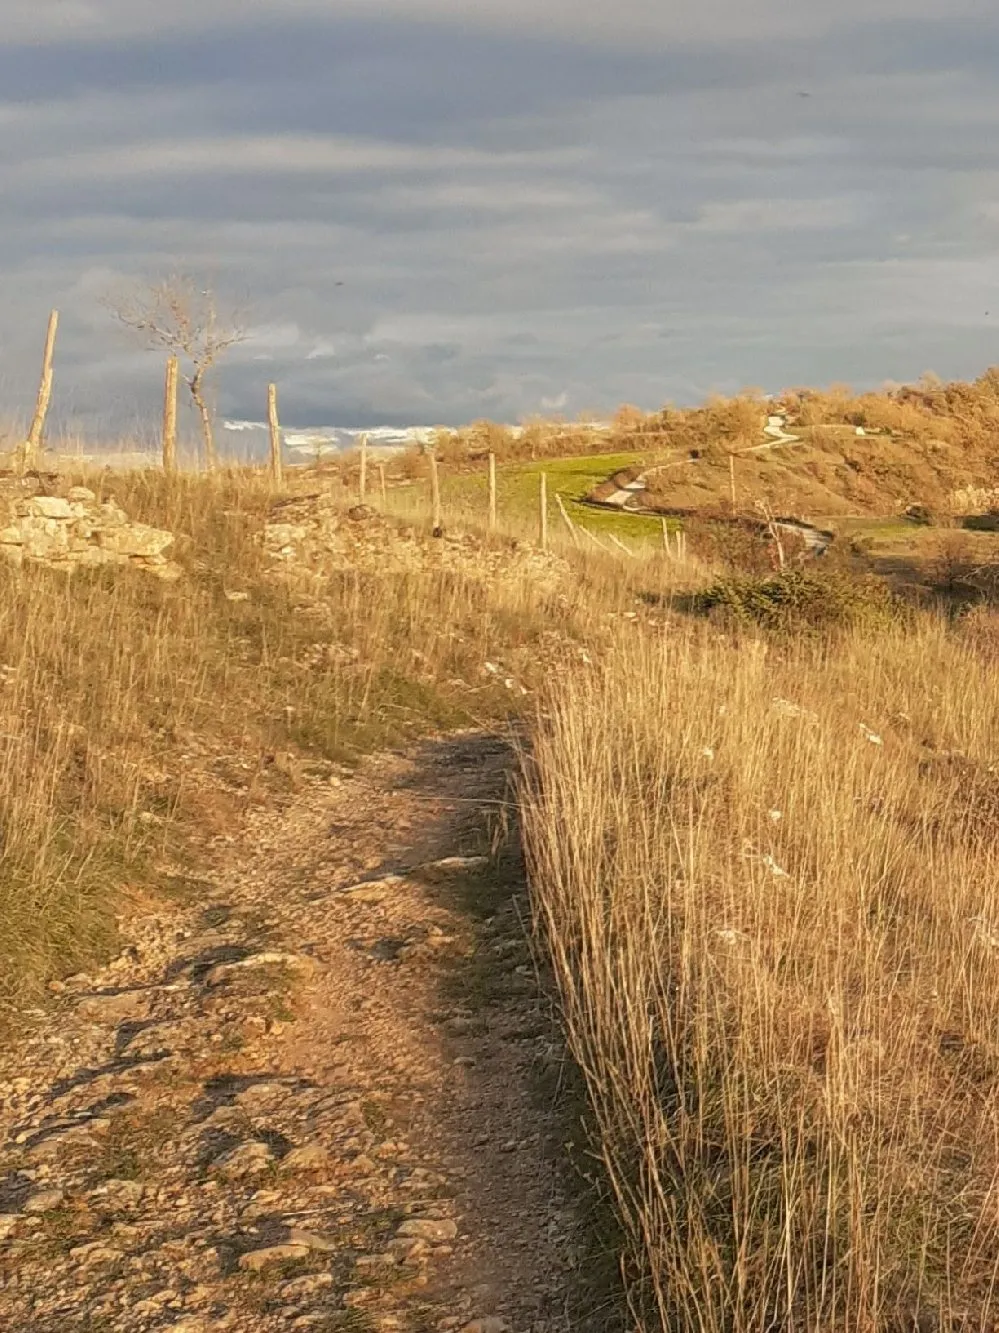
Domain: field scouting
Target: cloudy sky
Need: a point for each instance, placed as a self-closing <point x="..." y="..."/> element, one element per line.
<point x="531" y="205"/>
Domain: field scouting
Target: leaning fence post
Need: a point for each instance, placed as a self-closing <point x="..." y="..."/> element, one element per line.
<point x="170" y="416"/>
<point x="435" y="496"/>
<point x="28" y="452"/>
<point x="543" y="511"/>
<point x="275" y="429"/>
<point x="492" y="492"/>
<point x="363" y="487"/>
<point x="382" y="486"/>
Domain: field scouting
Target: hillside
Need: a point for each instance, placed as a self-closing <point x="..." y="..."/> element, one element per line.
<point x="416" y="932"/>
<point x="829" y="472"/>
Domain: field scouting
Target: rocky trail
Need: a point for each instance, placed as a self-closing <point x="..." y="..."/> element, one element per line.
<point x="306" y="1096"/>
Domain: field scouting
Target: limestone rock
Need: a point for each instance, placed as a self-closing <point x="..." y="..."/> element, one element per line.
<point x="428" y="1228"/>
<point x="309" y="1157"/>
<point x="249" y="1159"/>
<point x="47" y="506"/>
<point x="268" y="958"/>
<point x="322" y="1244"/>
<point x="256" y="1260"/>
<point x="74" y="529"/>
<point x="120" y="1007"/>
<point x="45" y="1201"/>
<point x="135" y="539"/>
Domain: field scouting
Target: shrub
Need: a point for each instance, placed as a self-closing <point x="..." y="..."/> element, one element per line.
<point x="796" y="600"/>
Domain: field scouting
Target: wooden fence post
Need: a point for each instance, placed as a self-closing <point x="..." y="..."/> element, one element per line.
<point x="170" y="416"/>
<point x="666" y="545"/>
<point x="382" y="486"/>
<point x="435" y="496"/>
<point x="28" y="452"/>
<point x="731" y="479"/>
<point x="543" y="511"/>
<point x="363" y="486"/>
<point x="277" y="469"/>
<point x="492" y="492"/>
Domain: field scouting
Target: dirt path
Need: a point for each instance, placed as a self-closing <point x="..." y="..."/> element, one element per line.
<point x="298" y="1103"/>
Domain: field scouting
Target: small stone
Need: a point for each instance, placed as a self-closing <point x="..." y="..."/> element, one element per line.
<point x="45" y="1201"/>
<point x="135" y="539"/>
<point x="121" y="1007"/>
<point x="77" y="1135"/>
<point x="269" y="958"/>
<point x="405" y="1247"/>
<point x="256" y="1260"/>
<point x="309" y="1157"/>
<point x="453" y="865"/>
<point x="80" y="495"/>
<point x="49" y="506"/>
<point x="311" y="1240"/>
<point x="95" y="1253"/>
<point x="120" y="1194"/>
<point x="373" y="890"/>
<point x="8" y="1221"/>
<point x="308" y="1285"/>
<point x="368" y="1261"/>
<point x="428" y="1228"/>
<point x="249" y="1159"/>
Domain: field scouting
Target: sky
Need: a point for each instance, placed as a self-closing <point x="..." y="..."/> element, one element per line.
<point x="431" y="211"/>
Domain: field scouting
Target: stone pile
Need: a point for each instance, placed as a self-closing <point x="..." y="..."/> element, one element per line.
<point x="78" y="529"/>
<point x="314" y="535"/>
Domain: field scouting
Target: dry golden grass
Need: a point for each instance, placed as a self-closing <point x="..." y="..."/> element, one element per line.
<point x="767" y="881"/>
<point x="764" y="870"/>
<point x="123" y="700"/>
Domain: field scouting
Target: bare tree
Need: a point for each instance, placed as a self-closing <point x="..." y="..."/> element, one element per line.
<point x="181" y="315"/>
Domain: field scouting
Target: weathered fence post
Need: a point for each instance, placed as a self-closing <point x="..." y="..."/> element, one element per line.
<point x="277" y="469"/>
<point x="731" y="479"/>
<point x="382" y="485"/>
<point x="492" y="492"/>
<point x="27" y="455"/>
<point x="363" y="486"/>
<point x="543" y="511"/>
<point x="170" y="416"/>
<point x="435" y="496"/>
<point x="666" y="545"/>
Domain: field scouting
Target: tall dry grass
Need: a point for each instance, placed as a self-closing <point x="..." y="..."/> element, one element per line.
<point x="136" y="716"/>
<point x="767" y="882"/>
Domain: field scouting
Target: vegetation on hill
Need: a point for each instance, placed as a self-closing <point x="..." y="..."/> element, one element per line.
<point x="872" y="453"/>
<point x="137" y="717"/>
<point x="758" y="807"/>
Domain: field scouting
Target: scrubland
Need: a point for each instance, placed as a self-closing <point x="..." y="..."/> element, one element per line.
<point x="758" y="810"/>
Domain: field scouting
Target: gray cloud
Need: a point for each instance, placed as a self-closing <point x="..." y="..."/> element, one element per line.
<point x="523" y="207"/>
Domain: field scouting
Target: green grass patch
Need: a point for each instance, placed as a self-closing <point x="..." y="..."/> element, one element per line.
<point x="517" y="492"/>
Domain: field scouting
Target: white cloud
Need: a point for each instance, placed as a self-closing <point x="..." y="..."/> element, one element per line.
<point x="626" y="22"/>
<point x="275" y="154"/>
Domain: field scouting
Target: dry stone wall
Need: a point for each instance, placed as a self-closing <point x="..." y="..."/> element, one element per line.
<point x="77" y="529"/>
